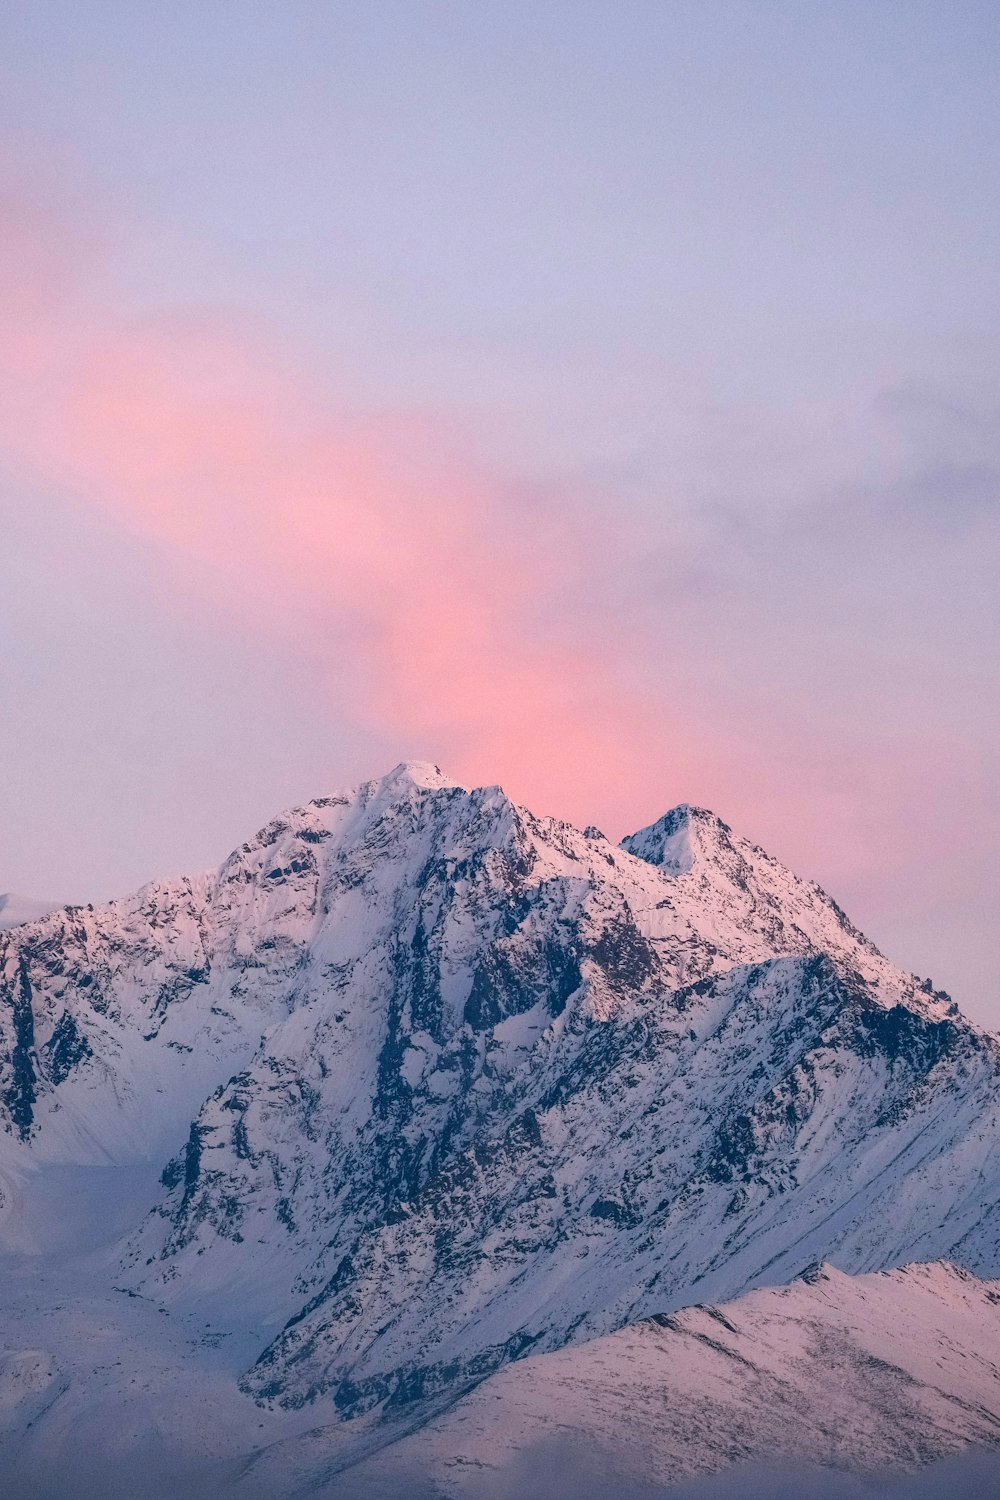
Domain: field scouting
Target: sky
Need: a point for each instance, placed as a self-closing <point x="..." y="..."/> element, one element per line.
<point x="597" y="398"/>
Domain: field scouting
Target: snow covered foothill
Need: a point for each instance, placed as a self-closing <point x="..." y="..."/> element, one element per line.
<point x="890" y="1371"/>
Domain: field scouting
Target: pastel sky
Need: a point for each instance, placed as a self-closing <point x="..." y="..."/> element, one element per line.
<point x="598" y="398"/>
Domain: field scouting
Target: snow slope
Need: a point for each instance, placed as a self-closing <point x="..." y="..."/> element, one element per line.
<point x="108" y="1398"/>
<point x="891" y="1370"/>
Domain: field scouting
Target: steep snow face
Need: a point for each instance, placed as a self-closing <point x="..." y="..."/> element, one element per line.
<point x="442" y="1083"/>
<point x="451" y="932"/>
<point x="861" y="1373"/>
<point x="119" y="1019"/>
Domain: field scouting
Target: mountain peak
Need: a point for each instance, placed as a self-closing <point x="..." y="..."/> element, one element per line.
<point x="676" y="841"/>
<point x="422" y="774"/>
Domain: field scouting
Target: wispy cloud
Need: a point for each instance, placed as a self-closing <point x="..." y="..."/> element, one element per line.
<point x="446" y="601"/>
<point x="809" y="665"/>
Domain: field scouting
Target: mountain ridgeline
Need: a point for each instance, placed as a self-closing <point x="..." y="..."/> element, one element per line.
<point x="436" y="1084"/>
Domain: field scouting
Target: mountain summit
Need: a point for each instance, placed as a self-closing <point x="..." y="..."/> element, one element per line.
<point x="432" y="1083"/>
<point x="682" y="838"/>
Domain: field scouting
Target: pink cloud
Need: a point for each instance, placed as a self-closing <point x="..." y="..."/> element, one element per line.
<point x="459" y="618"/>
<point x="367" y="539"/>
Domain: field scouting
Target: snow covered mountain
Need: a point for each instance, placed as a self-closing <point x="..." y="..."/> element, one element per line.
<point x="433" y="1084"/>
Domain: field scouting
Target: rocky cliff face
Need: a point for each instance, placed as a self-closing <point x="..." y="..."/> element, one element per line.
<point x="436" y="1083"/>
